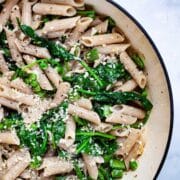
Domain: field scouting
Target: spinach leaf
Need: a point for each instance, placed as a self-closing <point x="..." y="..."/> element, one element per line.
<point x="118" y="98"/>
<point x="95" y="143"/>
<point x="13" y="120"/>
<point x="111" y="23"/>
<point x="110" y="72"/>
<point x="138" y="61"/>
<point x="90" y="13"/>
<point x="56" y="50"/>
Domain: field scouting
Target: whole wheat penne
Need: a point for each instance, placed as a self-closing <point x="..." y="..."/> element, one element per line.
<point x="54" y="9"/>
<point x="21" y="86"/>
<point x="131" y="67"/>
<point x="15" y="95"/>
<point x="8" y="103"/>
<point x="91" y="166"/>
<point x="136" y="151"/>
<point x="102" y="127"/>
<point x="54" y="165"/>
<point x="41" y="77"/>
<point x="16" y="55"/>
<point x="32" y="49"/>
<point x="129" y="85"/>
<point x="81" y="26"/>
<point x="84" y="113"/>
<point x="37" y="20"/>
<point x="5" y="13"/>
<point x="60" y="24"/>
<point x="61" y="94"/>
<point x="15" y="14"/>
<point x="1" y="113"/>
<point x="84" y="103"/>
<point x="70" y="134"/>
<point x="120" y="132"/>
<point x="16" y="164"/>
<point x="118" y="118"/>
<point x="129" y="110"/>
<point x="102" y="39"/>
<point x="55" y="34"/>
<point x="27" y="11"/>
<point x="53" y="76"/>
<point x="3" y="65"/>
<point x="75" y="3"/>
<point x="9" y="137"/>
<point x="112" y="49"/>
<point x="100" y="29"/>
<point x="129" y="142"/>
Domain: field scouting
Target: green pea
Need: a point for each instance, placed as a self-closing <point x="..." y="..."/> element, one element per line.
<point x="133" y="165"/>
<point x="37" y="88"/>
<point x="34" y="84"/>
<point x="117" y="173"/>
<point x="117" y="164"/>
<point x="43" y="65"/>
<point x="32" y="77"/>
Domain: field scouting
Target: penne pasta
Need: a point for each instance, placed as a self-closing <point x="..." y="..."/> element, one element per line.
<point x="91" y="165"/>
<point x="5" y="13"/>
<point x="118" y="118"/>
<point x="54" y="165"/>
<point x="54" y="9"/>
<point x="102" y="127"/>
<point x="15" y="14"/>
<point x="27" y="11"/>
<point x="112" y="49"/>
<point x="84" y="103"/>
<point x="129" y="110"/>
<point x="136" y="151"/>
<point x="15" y="95"/>
<point x="61" y="94"/>
<point x="69" y="134"/>
<point x="1" y="113"/>
<point x="53" y="76"/>
<point x="60" y="24"/>
<point x="20" y="86"/>
<point x="37" y="20"/>
<point x="98" y="29"/>
<point x="13" y="48"/>
<point x="121" y="132"/>
<point x="41" y="77"/>
<point x="129" y="85"/>
<point x="9" y="138"/>
<point x="32" y="50"/>
<point x="75" y="3"/>
<point x="102" y="39"/>
<point x="131" y="67"/>
<point x="16" y="164"/>
<point x="81" y="26"/>
<point x="55" y="34"/>
<point x="8" y="103"/>
<point x="129" y="142"/>
<point x="3" y="66"/>
<point x="84" y="114"/>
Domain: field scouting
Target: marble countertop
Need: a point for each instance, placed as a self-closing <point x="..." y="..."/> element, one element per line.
<point x="161" y="19"/>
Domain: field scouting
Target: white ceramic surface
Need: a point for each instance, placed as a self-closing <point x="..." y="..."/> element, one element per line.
<point x="161" y="19"/>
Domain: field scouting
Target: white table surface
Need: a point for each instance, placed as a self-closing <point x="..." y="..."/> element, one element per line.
<point x="161" y="19"/>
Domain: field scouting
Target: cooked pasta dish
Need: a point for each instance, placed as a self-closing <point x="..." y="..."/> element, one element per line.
<point x="73" y="93"/>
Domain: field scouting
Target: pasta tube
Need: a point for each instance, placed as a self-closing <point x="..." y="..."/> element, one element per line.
<point x="131" y="67"/>
<point x="54" y="9"/>
<point x="102" y="39"/>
